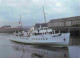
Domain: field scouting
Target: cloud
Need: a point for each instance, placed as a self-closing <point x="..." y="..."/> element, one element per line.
<point x="31" y="10"/>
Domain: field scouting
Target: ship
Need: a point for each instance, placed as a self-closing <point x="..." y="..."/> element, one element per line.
<point x="42" y="36"/>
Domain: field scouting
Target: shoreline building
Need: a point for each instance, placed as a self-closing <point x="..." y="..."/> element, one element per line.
<point x="70" y="24"/>
<point x="6" y="26"/>
<point x="65" y="22"/>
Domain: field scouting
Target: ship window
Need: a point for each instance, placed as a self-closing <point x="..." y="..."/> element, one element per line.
<point x="51" y="33"/>
<point x="56" y="35"/>
<point x="40" y="33"/>
<point x="14" y="37"/>
<point x="60" y="34"/>
<point x="45" y="33"/>
<point x="38" y="38"/>
<point x="46" y="39"/>
<point x="43" y="38"/>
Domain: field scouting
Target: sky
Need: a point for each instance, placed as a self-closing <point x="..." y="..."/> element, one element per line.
<point x="31" y="11"/>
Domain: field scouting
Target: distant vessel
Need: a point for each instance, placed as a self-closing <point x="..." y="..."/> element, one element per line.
<point x="42" y="36"/>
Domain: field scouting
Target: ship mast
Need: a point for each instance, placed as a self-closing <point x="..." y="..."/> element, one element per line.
<point x="44" y="17"/>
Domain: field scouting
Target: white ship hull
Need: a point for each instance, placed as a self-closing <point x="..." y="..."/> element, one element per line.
<point x="62" y="40"/>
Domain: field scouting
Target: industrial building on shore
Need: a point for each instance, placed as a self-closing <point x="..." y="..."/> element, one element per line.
<point x="65" y="22"/>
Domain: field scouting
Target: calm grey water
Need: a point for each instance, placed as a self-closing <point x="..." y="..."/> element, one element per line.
<point x="9" y="49"/>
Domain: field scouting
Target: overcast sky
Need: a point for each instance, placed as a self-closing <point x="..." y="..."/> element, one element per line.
<point x="31" y="11"/>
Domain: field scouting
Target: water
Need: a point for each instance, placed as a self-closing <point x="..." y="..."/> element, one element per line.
<point x="9" y="49"/>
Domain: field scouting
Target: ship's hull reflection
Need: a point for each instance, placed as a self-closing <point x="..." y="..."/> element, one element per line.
<point x="31" y="51"/>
